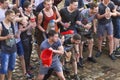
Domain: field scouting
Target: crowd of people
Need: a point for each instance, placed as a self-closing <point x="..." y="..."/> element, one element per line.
<point x="27" y="22"/>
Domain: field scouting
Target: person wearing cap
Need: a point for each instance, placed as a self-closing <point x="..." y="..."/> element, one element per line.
<point x="53" y="43"/>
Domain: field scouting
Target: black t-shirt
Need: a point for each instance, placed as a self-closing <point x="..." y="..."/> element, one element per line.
<point x="101" y="11"/>
<point x="80" y="3"/>
<point x="69" y="17"/>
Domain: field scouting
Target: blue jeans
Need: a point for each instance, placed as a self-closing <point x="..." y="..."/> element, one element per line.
<point x="7" y="62"/>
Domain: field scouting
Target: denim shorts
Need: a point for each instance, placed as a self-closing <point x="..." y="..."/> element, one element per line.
<point x="7" y="62"/>
<point x="56" y="66"/>
<point x="20" y="50"/>
<point x="102" y="28"/>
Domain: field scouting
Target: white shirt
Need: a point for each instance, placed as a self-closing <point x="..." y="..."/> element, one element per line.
<point x="2" y="14"/>
<point x="37" y="2"/>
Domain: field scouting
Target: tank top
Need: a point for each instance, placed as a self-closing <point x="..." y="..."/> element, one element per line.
<point x="9" y="45"/>
<point x="47" y="19"/>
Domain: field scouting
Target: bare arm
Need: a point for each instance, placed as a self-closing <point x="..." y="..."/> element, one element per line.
<point x="95" y="25"/>
<point x="76" y="47"/>
<point x="16" y="5"/>
<point x="118" y="13"/>
<point x="58" y="15"/>
<point x="100" y="16"/>
<point x="40" y="19"/>
<point x="59" y="51"/>
<point x="114" y="13"/>
<point x="24" y="28"/>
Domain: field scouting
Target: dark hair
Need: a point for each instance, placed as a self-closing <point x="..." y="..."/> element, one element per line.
<point x="76" y="37"/>
<point x="116" y="2"/>
<point x="71" y="1"/>
<point x="92" y="5"/>
<point x="51" y="33"/>
<point x="2" y="1"/>
<point x="46" y="1"/>
<point x="26" y="4"/>
<point x="16" y="10"/>
<point x="8" y="12"/>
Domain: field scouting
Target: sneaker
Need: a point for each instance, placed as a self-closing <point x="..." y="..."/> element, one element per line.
<point x="91" y="59"/>
<point x="112" y="56"/>
<point x="117" y="54"/>
<point x="98" y="54"/>
<point x="76" y="77"/>
<point x="80" y="63"/>
<point x="29" y="76"/>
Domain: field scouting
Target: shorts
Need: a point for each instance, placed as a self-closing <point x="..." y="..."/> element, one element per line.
<point x="56" y="66"/>
<point x="20" y="50"/>
<point x="7" y="62"/>
<point x="102" y="28"/>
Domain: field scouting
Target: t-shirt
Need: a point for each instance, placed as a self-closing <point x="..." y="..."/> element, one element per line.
<point x="68" y="17"/>
<point x="45" y="44"/>
<point x="80" y="3"/>
<point x="116" y="2"/>
<point x="2" y="14"/>
<point x="86" y="17"/>
<point x="101" y="11"/>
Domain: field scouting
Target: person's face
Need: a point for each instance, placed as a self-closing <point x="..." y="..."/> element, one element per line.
<point x="76" y="41"/>
<point x="55" y="38"/>
<point x="11" y="17"/>
<point x="48" y="5"/>
<point x="106" y="0"/>
<point x="74" y="5"/>
<point x="29" y="9"/>
<point x="95" y="10"/>
<point x="5" y="4"/>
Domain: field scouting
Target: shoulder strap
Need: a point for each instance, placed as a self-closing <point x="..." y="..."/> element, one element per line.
<point x="12" y="26"/>
<point x="2" y="25"/>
